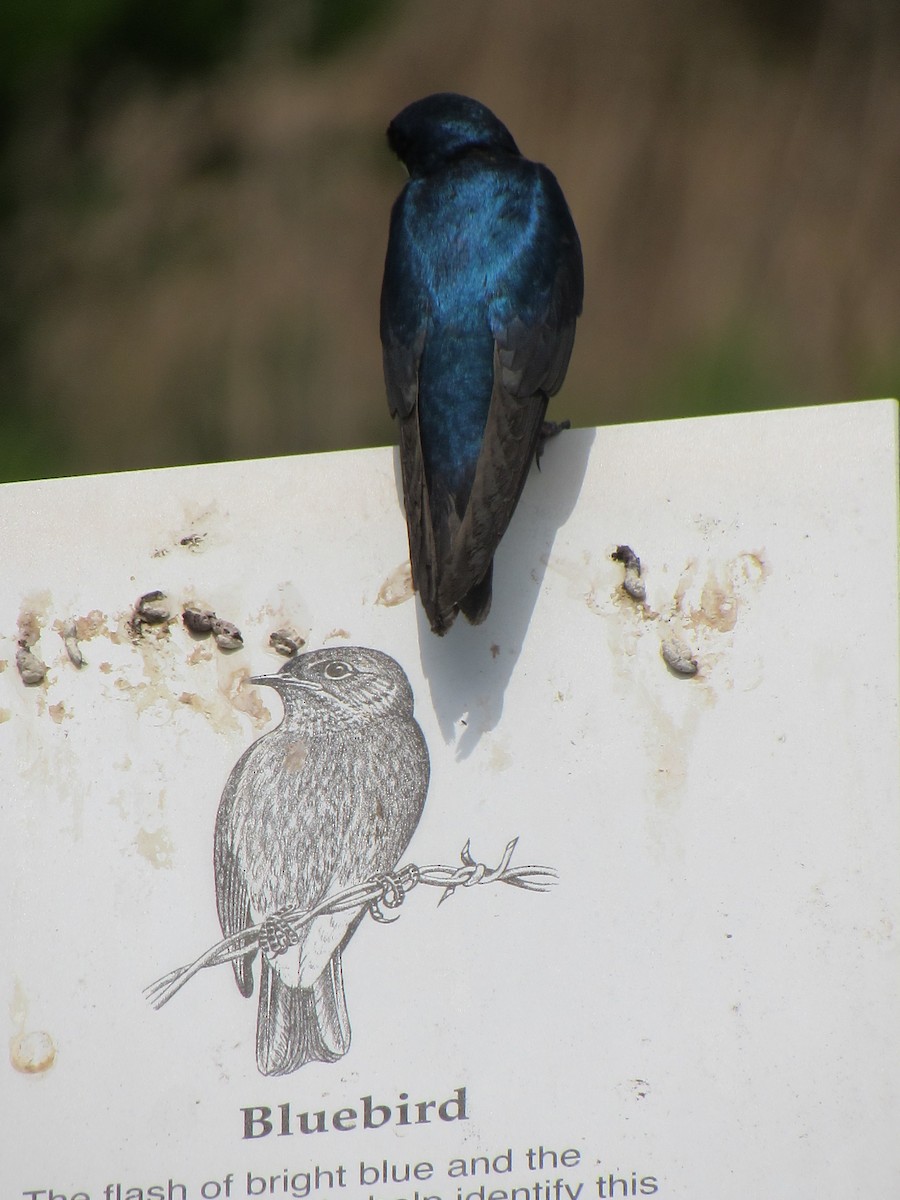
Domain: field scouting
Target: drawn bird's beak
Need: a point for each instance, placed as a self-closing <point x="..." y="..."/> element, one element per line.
<point x="279" y="681"/>
<point x="267" y="680"/>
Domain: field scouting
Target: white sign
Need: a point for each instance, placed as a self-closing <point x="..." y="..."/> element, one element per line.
<point x="695" y="994"/>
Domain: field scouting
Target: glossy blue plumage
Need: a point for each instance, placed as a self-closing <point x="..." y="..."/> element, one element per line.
<point x="482" y="286"/>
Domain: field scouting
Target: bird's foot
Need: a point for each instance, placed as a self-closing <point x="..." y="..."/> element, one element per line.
<point x="393" y="891"/>
<point x="549" y="429"/>
<point x="276" y="935"/>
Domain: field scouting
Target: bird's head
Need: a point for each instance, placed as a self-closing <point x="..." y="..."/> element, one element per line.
<point x="341" y="685"/>
<point x="431" y="132"/>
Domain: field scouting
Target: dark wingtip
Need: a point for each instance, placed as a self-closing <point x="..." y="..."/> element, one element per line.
<point x="476" y="604"/>
<point x="440" y="622"/>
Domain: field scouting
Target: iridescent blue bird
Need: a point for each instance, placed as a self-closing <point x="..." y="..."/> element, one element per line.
<point x="483" y="282"/>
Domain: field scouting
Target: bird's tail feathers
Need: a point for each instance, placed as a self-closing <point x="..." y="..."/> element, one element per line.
<point x="452" y="538"/>
<point x="476" y="604"/>
<point x="415" y="501"/>
<point x="424" y="554"/>
<point x="511" y="438"/>
<point x="300" y="1025"/>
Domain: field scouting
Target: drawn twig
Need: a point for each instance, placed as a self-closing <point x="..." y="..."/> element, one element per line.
<point x="386" y="890"/>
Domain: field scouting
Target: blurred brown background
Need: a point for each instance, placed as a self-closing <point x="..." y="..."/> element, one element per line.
<point x="194" y="202"/>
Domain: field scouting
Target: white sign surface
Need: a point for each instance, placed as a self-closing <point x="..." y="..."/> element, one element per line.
<point x="702" y="1004"/>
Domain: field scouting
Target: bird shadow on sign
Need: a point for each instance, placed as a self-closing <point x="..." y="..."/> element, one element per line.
<point x="469" y="668"/>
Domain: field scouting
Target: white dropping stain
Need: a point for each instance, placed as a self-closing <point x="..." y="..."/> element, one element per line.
<point x="245" y="697"/>
<point x="18" y="1006"/>
<point x="93" y="624"/>
<point x="197" y="525"/>
<point x="286" y="610"/>
<point x="82" y="629"/>
<point x="397" y="588"/>
<point x="32" y="1053"/>
<point x="157" y="659"/>
<point x="216" y="694"/>
<point x="715" y="603"/>
<point x="156" y="847"/>
<point x="677" y="655"/>
<point x="201" y="653"/>
<point x="33" y="616"/>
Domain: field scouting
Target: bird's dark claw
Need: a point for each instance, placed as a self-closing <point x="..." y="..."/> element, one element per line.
<point x="276" y="935"/>
<point x="549" y="429"/>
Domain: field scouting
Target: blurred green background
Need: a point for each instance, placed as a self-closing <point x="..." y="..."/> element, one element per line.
<point x="194" y="200"/>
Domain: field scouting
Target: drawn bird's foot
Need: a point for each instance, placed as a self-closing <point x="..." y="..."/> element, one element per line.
<point x="549" y="429"/>
<point x="276" y="935"/>
<point x="392" y="895"/>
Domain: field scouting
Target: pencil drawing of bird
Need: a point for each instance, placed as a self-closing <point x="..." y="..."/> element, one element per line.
<point x="483" y="282"/>
<point x="328" y="799"/>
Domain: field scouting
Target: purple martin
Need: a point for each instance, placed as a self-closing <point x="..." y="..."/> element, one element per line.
<point x="483" y="282"/>
<point x="328" y="799"/>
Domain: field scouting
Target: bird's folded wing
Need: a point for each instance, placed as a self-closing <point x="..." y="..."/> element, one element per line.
<point x="510" y="441"/>
<point x="233" y="904"/>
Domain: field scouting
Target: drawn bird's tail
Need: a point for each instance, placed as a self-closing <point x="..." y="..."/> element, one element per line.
<point x="300" y="1025"/>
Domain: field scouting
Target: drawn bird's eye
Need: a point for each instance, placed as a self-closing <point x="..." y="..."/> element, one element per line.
<point x="338" y="670"/>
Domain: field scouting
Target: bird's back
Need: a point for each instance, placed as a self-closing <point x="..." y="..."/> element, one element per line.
<point x="469" y="226"/>
<point x="472" y="250"/>
<point x="482" y="287"/>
